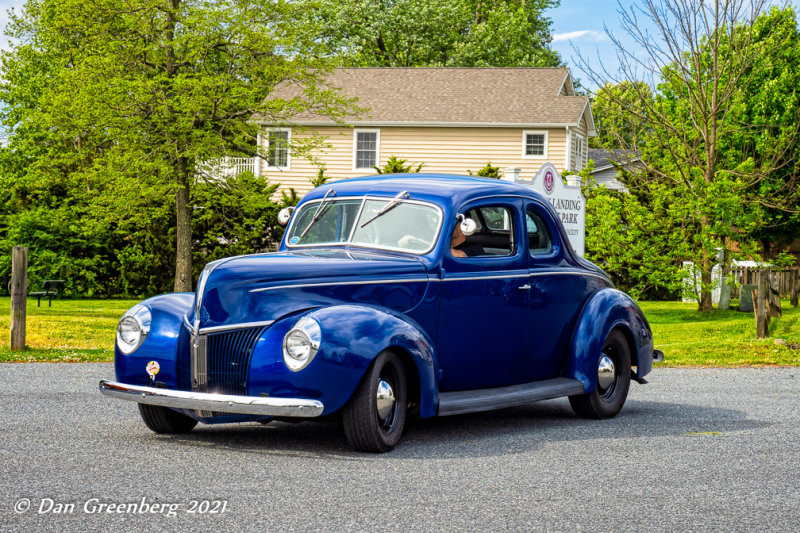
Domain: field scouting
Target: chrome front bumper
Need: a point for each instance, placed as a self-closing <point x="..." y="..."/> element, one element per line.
<point x="220" y="403"/>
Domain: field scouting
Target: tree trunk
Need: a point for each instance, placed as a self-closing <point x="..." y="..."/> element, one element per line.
<point x="19" y="297"/>
<point x="183" y="246"/>
<point x="705" y="303"/>
<point x="706" y="264"/>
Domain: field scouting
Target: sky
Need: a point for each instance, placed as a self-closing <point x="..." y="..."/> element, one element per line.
<point x="579" y="27"/>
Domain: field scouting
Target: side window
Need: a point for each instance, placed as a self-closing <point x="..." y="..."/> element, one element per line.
<point x="494" y="235"/>
<point x="539" y="241"/>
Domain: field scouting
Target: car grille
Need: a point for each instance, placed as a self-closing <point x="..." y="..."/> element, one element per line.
<point x="228" y="359"/>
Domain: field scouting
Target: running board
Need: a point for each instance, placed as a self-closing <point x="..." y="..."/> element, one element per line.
<point x="471" y="401"/>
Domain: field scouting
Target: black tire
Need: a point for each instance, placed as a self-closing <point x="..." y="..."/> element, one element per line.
<point x="606" y="402"/>
<point x="365" y="428"/>
<point x="164" y="420"/>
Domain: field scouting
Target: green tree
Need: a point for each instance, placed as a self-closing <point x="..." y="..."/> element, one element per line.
<point x="620" y="118"/>
<point x="712" y="144"/>
<point x="771" y="102"/>
<point x="141" y="94"/>
<point x="238" y="216"/>
<point x="447" y="33"/>
<point x="636" y="239"/>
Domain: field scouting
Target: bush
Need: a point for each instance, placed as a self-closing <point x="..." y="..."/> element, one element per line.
<point x="397" y="166"/>
<point x="488" y="172"/>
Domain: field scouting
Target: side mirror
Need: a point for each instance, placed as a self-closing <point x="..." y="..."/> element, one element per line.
<point x="468" y="226"/>
<point x="285" y="214"/>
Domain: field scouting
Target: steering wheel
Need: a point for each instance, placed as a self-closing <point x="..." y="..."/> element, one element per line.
<point x="415" y="243"/>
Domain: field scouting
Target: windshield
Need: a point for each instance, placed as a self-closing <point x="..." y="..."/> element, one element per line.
<point x="408" y="226"/>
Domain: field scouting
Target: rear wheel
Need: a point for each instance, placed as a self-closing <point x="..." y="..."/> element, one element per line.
<point x="613" y="381"/>
<point x="375" y="416"/>
<point x="164" y="420"/>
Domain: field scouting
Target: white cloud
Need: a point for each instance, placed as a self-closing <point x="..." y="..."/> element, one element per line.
<point x="585" y="35"/>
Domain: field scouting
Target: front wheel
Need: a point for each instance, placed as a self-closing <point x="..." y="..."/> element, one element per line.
<point x="375" y="415"/>
<point x="164" y="420"/>
<point x="613" y="381"/>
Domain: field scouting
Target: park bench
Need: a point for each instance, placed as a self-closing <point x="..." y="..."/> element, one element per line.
<point x="50" y="289"/>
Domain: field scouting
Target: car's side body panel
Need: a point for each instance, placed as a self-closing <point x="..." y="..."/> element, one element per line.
<point x="483" y="312"/>
<point x="557" y="296"/>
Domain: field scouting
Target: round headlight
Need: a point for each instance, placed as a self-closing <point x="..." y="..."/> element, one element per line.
<point x="129" y="331"/>
<point x="133" y="329"/>
<point x="301" y="343"/>
<point x="298" y="345"/>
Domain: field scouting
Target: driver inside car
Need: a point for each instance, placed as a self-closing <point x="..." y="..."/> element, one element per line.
<point x="459" y="246"/>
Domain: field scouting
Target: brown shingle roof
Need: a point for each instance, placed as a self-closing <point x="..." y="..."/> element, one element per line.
<point x="420" y="96"/>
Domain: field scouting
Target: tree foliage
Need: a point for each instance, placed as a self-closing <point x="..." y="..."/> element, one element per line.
<point x="441" y="33"/>
<point x="619" y="116"/>
<point x="130" y="99"/>
<point x="717" y="124"/>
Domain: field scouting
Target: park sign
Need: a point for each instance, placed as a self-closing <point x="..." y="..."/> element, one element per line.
<point x="567" y="200"/>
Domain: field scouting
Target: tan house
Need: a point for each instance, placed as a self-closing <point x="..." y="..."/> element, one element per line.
<point x="453" y="120"/>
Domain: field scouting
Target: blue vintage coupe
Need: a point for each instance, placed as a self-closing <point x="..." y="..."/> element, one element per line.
<point x="447" y="294"/>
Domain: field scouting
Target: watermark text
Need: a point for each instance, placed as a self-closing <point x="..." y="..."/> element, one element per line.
<point x="98" y="506"/>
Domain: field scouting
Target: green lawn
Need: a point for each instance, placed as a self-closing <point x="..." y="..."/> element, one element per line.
<point x="83" y="330"/>
<point x="721" y="338"/>
<point x="69" y="331"/>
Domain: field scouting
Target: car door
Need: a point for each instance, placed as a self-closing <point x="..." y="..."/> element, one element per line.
<point x="558" y="291"/>
<point x="484" y="300"/>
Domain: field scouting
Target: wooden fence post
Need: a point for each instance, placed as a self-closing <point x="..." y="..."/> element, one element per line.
<point x="794" y="286"/>
<point x="761" y="307"/>
<point x="775" y="299"/>
<point x="19" y="297"/>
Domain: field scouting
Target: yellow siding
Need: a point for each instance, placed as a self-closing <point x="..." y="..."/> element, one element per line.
<point x="443" y="150"/>
<point x="582" y="129"/>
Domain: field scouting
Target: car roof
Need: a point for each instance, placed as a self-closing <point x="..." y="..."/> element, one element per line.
<point x="443" y="189"/>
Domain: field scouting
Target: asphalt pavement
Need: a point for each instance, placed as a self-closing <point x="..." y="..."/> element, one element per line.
<point x="694" y="450"/>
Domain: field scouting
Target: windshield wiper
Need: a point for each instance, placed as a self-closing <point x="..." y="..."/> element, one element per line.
<point x="387" y="207"/>
<point x="319" y="212"/>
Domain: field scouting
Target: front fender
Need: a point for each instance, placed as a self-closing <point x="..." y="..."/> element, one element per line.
<point x="608" y="309"/>
<point x="167" y="343"/>
<point x="352" y="336"/>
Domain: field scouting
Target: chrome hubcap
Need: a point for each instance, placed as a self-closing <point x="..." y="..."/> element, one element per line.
<point x="386" y="400"/>
<point x="606" y="372"/>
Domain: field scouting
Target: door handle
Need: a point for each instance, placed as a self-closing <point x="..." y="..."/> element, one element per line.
<point x="524" y="287"/>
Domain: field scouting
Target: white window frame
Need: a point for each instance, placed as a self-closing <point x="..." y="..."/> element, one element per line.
<point x="377" y="149"/>
<point x="525" y="134"/>
<point x="288" y="131"/>
<point x="579" y="152"/>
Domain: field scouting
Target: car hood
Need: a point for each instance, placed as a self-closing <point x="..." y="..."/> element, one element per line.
<point x="265" y="287"/>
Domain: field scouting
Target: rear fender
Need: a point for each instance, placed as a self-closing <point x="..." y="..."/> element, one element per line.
<point x="608" y="309"/>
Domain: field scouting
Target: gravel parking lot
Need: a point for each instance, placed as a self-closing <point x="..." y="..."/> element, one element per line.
<point x="695" y="450"/>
